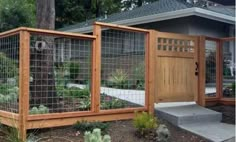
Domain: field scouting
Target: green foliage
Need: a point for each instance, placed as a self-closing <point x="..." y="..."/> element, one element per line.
<point x="79" y="93"/>
<point x="139" y="75"/>
<point x="40" y="110"/>
<point x="73" y="11"/>
<point x="118" y="79"/>
<point x="96" y="136"/>
<point x="89" y="126"/>
<point x="8" y="93"/>
<point x="113" y="104"/>
<point x="8" y="68"/>
<point x="144" y="122"/>
<point x="74" y="70"/>
<point x="130" y="4"/>
<point x="16" y="13"/>
<point x="85" y="104"/>
<point x="11" y="134"/>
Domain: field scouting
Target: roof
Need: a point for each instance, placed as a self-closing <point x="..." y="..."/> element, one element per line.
<point x="158" y="7"/>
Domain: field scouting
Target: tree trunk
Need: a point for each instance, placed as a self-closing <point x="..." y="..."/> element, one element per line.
<point x="43" y="91"/>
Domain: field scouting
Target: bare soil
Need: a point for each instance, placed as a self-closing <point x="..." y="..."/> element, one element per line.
<point x="228" y="113"/>
<point x="120" y="131"/>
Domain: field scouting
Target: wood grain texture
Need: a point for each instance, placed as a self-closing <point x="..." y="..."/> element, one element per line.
<point x="121" y="27"/>
<point x="97" y="66"/>
<point x="176" y="58"/>
<point x="24" y="82"/>
<point x="202" y="70"/>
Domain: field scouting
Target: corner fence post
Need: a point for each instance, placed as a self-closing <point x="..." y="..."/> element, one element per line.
<point x="24" y="71"/>
<point x="202" y="76"/>
<point x="150" y="69"/>
<point x="96" y="72"/>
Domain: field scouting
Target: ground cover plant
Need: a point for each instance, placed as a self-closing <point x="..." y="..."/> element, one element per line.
<point x="90" y="126"/>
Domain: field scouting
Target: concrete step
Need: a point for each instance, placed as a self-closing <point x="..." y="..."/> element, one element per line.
<point x="187" y="114"/>
<point x="216" y="132"/>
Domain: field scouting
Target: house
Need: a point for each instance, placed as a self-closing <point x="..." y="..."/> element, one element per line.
<point x="191" y="17"/>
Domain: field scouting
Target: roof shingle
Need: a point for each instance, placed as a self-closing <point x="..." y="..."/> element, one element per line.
<point x="160" y="6"/>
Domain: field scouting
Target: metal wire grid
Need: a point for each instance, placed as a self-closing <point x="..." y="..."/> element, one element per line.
<point x="9" y="73"/>
<point x="229" y="68"/>
<point x="210" y="56"/>
<point x="175" y="45"/>
<point x="60" y="72"/>
<point x="122" y="69"/>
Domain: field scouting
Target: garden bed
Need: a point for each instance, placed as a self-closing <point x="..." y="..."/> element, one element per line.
<point x="228" y="113"/>
<point x="120" y="131"/>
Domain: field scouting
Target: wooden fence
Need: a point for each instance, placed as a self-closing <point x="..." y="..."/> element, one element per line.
<point x="56" y="78"/>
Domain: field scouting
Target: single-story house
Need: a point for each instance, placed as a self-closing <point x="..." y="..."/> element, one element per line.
<point x="191" y="17"/>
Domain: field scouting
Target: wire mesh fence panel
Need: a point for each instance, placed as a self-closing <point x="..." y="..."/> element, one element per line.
<point x="9" y="73"/>
<point x="210" y="55"/>
<point x="229" y="69"/>
<point x="60" y="73"/>
<point x="122" y="69"/>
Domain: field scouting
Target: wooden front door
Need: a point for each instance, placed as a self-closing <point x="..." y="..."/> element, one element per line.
<point x="176" y="70"/>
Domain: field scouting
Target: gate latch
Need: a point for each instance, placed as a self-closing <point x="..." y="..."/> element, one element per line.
<point x="196" y="69"/>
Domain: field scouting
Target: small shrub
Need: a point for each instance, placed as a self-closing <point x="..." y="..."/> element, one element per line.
<point x="96" y="136"/>
<point x="118" y="79"/>
<point x="40" y="110"/>
<point x="79" y="93"/>
<point x="8" y="68"/>
<point x="113" y="104"/>
<point x="89" y="126"/>
<point x="85" y="104"/>
<point x="144" y="122"/>
<point x="139" y="75"/>
<point x="74" y="70"/>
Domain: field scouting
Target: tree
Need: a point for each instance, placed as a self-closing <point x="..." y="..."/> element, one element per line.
<point x="130" y="4"/>
<point x="74" y="11"/>
<point x="16" y="13"/>
<point x="43" y="86"/>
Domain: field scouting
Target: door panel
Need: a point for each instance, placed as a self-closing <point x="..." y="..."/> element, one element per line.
<point x="176" y="68"/>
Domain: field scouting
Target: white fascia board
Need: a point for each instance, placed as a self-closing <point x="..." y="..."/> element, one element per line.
<point x="166" y="16"/>
<point x="215" y="16"/>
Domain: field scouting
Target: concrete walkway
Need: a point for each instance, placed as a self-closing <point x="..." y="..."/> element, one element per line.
<point x="198" y="120"/>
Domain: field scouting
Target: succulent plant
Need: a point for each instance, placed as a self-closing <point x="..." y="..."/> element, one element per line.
<point x="96" y="136"/>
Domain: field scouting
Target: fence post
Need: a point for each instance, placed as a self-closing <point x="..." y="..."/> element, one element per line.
<point x="202" y="76"/>
<point x="150" y="69"/>
<point x="96" y="73"/>
<point x="24" y="71"/>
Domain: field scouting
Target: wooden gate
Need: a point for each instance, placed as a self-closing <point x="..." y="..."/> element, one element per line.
<point x="176" y="68"/>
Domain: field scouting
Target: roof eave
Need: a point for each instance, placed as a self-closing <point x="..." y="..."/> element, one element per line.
<point x="166" y="16"/>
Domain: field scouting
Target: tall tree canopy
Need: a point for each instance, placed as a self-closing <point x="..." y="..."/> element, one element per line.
<point x="73" y="11"/>
<point x="130" y="4"/>
<point x="16" y="13"/>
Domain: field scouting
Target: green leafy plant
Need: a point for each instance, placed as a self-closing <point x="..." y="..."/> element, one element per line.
<point x="8" y="68"/>
<point x="79" y="93"/>
<point x="74" y="70"/>
<point x="96" y="136"/>
<point x="113" y="104"/>
<point x="139" y="75"/>
<point x="40" y="110"/>
<point x="144" y="122"/>
<point x="118" y="79"/>
<point x="85" y="104"/>
<point x="89" y="126"/>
